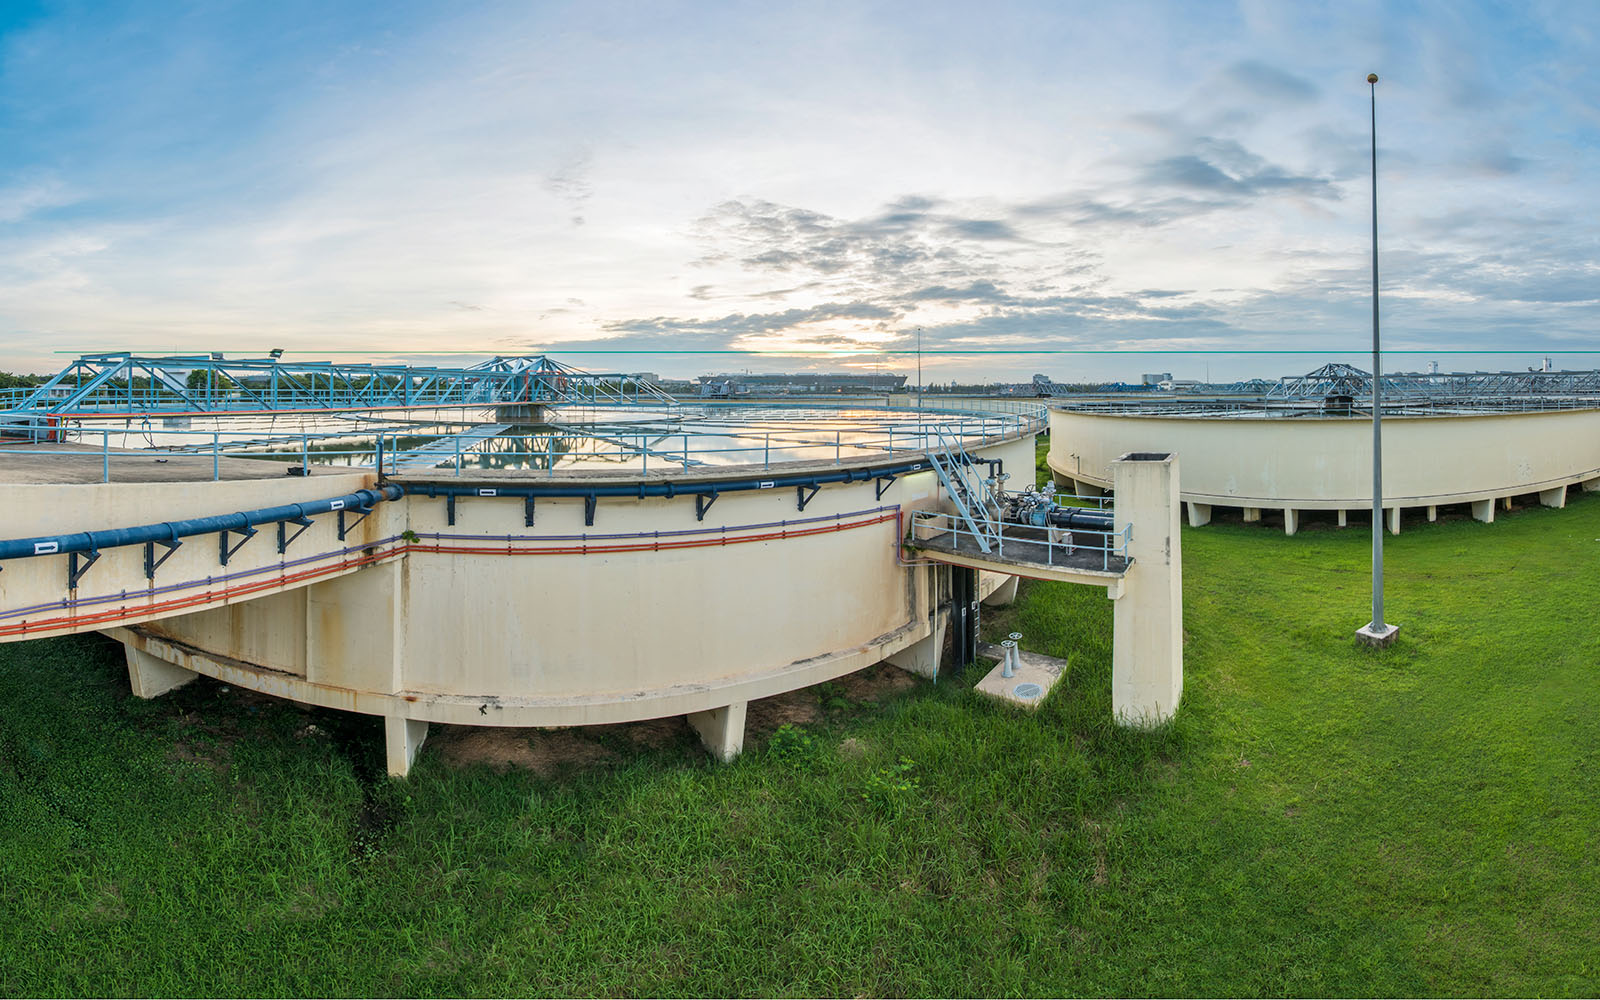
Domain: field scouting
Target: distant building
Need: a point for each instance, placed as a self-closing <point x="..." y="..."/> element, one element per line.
<point x="1155" y="378"/>
<point x="746" y="384"/>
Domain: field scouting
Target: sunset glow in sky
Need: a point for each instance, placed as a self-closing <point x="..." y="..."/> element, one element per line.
<point x="440" y="178"/>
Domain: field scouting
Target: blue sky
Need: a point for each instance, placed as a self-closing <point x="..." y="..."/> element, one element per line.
<point x="438" y="178"/>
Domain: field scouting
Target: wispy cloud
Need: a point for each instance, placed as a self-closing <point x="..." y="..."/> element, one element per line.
<point x="693" y="178"/>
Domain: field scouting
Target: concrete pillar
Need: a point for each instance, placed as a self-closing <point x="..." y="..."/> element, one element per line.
<point x="1003" y="594"/>
<point x="150" y="676"/>
<point x="1483" y="510"/>
<point x="1392" y="515"/>
<point x="1554" y="498"/>
<point x="721" y="729"/>
<point x="1433" y="513"/>
<point x="1090" y="490"/>
<point x="1344" y="518"/>
<point x="1291" y="520"/>
<point x="1505" y="503"/>
<point x="1252" y="514"/>
<point x="922" y="657"/>
<point x="1199" y="514"/>
<point x="402" y="738"/>
<point x="1147" y="641"/>
<point x="1590" y="485"/>
<point x="1064" y="484"/>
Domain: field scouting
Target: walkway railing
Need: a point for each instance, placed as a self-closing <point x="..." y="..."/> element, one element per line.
<point x="1067" y="548"/>
<point x="694" y="437"/>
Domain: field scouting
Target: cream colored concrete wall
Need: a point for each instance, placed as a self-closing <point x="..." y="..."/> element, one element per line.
<point x="571" y="639"/>
<point x="571" y="625"/>
<point x="33" y="510"/>
<point x="1326" y="463"/>
<point x="550" y="639"/>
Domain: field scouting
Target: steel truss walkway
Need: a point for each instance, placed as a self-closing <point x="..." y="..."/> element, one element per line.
<point x="117" y="384"/>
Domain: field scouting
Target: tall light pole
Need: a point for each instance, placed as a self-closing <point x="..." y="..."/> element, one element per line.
<point x="919" y="368"/>
<point x="1376" y="632"/>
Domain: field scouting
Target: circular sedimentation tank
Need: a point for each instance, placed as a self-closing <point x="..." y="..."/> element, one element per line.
<point x="614" y="564"/>
<point x="1290" y="457"/>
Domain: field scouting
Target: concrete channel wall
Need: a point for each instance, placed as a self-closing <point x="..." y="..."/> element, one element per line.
<point x="1293" y="464"/>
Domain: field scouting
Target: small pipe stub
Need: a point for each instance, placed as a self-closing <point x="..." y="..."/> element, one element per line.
<point x="1010" y="648"/>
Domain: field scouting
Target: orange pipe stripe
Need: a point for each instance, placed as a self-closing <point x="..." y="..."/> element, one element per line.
<point x="243" y="590"/>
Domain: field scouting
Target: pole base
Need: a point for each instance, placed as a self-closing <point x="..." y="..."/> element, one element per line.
<point x="1377" y="636"/>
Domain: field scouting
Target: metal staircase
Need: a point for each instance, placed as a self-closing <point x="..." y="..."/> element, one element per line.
<point x="966" y="488"/>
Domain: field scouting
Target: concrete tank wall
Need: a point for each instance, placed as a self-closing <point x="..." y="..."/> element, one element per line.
<point x="647" y="612"/>
<point x="472" y="626"/>
<point x="1326" y="462"/>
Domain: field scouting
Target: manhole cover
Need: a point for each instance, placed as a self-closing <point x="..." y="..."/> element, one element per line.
<point x="1027" y="690"/>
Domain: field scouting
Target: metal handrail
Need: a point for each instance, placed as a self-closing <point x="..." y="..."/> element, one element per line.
<point x="942" y="522"/>
<point x="756" y="440"/>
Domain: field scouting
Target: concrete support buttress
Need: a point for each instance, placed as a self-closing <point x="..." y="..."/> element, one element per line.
<point x="402" y="739"/>
<point x="922" y="657"/>
<point x="1433" y="513"/>
<point x="1392" y="515"/>
<point x="1089" y="490"/>
<point x="1199" y="514"/>
<point x="1003" y="594"/>
<point x="1505" y="503"/>
<point x="1483" y="510"/>
<point x="1590" y="485"/>
<point x="150" y="676"/>
<point x="1252" y="514"/>
<point x="1147" y="638"/>
<point x="1291" y="520"/>
<point x="721" y="729"/>
<point x="1554" y="498"/>
<point x="1344" y="518"/>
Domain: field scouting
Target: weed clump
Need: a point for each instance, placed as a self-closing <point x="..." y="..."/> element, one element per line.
<point x="792" y="745"/>
<point x="892" y="788"/>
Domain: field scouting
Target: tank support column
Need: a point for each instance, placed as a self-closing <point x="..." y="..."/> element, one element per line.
<point x="922" y="657"/>
<point x="150" y="676"/>
<point x="721" y="729"/>
<point x="1147" y="642"/>
<point x="1199" y="514"/>
<point x="402" y="739"/>
<point x="1004" y="594"/>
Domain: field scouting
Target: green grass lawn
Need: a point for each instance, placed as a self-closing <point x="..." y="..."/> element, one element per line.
<point x="1320" y="819"/>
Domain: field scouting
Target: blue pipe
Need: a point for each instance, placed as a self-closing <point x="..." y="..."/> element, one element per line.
<point x="674" y="488"/>
<point x="1080" y="517"/>
<point x="171" y="531"/>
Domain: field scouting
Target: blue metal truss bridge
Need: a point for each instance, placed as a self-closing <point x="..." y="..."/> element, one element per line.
<point x="122" y="384"/>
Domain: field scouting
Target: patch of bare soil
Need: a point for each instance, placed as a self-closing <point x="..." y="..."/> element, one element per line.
<point x="876" y="683"/>
<point x="545" y="752"/>
<point x="795" y="708"/>
<point x="549" y="752"/>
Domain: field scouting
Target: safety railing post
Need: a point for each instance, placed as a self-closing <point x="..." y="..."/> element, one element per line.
<point x="105" y="456"/>
<point x="305" y="454"/>
<point x="766" y="458"/>
<point x="216" y="456"/>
